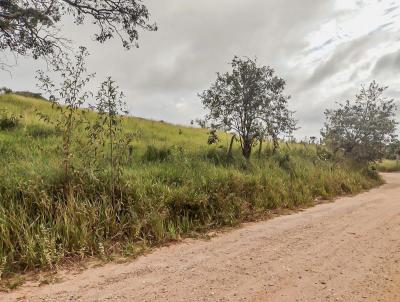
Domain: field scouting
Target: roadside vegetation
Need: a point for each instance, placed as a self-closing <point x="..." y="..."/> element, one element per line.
<point x="388" y="165"/>
<point x="80" y="178"/>
<point x="391" y="161"/>
<point x="171" y="184"/>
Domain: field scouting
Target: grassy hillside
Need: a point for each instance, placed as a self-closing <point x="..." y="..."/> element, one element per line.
<point x="173" y="185"/>
<point x="388" y="165"/>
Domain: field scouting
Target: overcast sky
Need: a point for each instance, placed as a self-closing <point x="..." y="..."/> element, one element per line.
<point x="325" y="49"/>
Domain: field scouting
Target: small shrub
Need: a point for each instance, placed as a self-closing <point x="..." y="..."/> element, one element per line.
<point x="5" y="90"/>
<point x="283" y="160"/>
<point x="345" y="188"/>
<point x="154" y="153"/>
<point x="372" y="173"/>
<point x="213" y="137"/>
<point x="38" y="131"/>
<point x="324" y="154"/>
<point x="8" y="121"/>
<point x="218" y="156"/>
<point x="30" y="94"/>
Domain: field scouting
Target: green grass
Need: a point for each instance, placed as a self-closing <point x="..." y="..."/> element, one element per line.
<point x="175" y="185"/>
<point x="388" y="166"/>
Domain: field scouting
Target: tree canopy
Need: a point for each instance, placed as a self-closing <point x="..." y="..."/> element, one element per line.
<point x="249" y="100"/>
<point x="32" y="27"/>
<point x="364" y="127"/>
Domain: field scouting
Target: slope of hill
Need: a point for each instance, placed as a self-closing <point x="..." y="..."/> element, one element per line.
<point x="172" y="185"/>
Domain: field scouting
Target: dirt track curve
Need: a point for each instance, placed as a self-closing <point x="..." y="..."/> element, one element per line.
<point x="348" y="250"/>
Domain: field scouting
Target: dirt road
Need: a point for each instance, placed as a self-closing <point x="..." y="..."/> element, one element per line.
<point x="343" y="251"/>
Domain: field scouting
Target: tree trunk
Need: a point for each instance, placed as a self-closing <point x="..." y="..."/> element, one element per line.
<point x="111" y="157"/>
<point x="229" y="154"/>
<point x="246" y="148"/>
<point x="276" y="144"/>
<point x="260" y="148"/>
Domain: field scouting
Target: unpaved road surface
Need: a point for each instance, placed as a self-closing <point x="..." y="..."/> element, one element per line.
<point x="343" y="251"/>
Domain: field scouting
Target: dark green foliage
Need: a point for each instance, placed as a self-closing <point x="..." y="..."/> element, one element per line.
<point x="393" y="150"/>
<point x="28" y="94"/>
<point x="283" y="161"/>
<point x="372" y="173"/>
<point x="39" y="131"/>
<point x="250" y="102"/>
<point x="362" y="128"/>
<point x="323" y="153"/>
<point x="8" y="121"/>
<point x="212" y="137"/>
<point x="160" y="154"/>
<point x="5" y="90"/>
<point x="218" y="156"/>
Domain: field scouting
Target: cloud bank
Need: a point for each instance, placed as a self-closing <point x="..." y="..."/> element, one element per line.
<point x="324" y="49"/>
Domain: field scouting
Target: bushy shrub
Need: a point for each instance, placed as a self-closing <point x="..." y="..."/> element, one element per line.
<point x="324" y="154"/>
<point x="39" y="131"/>
<point x="371" y="172"/>
<point x="218" y="156"/>
<point x="29" y="94"/>
<point x="5" y="90"/>
<point x="284" y="161"/>
<point x="160" y="154"/>
<point x="8" y="121"/>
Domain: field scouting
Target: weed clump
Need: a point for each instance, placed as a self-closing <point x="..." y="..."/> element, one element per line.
<point x="157" y="154"/>
<point x="39" y="131"/>
<point x="218" y="156"/>
<point x="8" y="121"/>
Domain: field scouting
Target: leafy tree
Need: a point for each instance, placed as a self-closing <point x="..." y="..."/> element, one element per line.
<point x="393" y="150"/>
<point x="279" y="119"/>
<point x="362" y="128"/>
<point x="32" y="27"/>
<point x="248" y="100"/>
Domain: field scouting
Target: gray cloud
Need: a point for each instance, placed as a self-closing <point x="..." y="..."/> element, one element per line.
<point x="204" y="38"/>
<point x="388" y="64"/>
<point x="161" y="79"/>
<point x="343" y="56"/>
<point x="391" y="9"/>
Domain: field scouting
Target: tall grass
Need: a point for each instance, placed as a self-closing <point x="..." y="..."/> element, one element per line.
<point x="388" y="165"/>
<point x="173" y="185"/>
